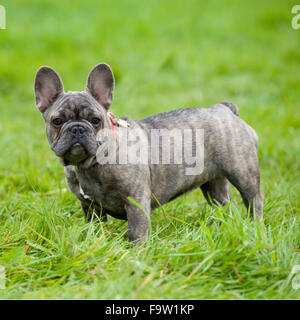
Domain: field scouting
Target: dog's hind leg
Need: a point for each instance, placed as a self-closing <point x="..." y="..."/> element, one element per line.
<point x="254" y="204"/>
<point x="216" y="191"/>
<point x="248" y="185"/>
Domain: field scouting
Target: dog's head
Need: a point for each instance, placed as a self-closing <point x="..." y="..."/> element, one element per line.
<point x="74" y="119"/>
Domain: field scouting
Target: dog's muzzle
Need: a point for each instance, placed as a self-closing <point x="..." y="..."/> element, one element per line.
<point x="77" y="130"/>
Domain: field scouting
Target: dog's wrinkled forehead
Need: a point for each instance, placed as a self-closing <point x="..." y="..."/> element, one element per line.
<point x="76" y="105"/>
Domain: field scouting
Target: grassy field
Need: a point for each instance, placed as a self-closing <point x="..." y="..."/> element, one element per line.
<point x="165" y="55"/>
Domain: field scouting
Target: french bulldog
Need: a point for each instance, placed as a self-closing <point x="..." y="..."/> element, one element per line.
<point x="81" y="132"/>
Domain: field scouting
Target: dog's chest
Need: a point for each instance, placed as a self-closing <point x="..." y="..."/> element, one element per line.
<point x="98" y="187"/>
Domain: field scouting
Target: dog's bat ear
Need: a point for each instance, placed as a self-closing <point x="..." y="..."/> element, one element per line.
<point x="47" y="86"/>
<point x="100" y="84"/>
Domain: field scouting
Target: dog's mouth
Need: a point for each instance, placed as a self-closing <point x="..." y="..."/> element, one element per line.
<point x="75" y="150"/>
<point x="76" y="154"/>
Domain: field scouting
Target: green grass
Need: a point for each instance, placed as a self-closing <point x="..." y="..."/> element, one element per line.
<point x="165" y="55"/>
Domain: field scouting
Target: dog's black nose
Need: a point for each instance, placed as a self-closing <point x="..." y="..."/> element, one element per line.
<point x="77" y="130"/>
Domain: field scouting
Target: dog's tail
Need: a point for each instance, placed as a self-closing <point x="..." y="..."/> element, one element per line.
<point x="234" y="108"/>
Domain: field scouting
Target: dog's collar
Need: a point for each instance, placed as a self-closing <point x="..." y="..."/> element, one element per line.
<point x="111" y="119"/>
<point x="117" y="121"/>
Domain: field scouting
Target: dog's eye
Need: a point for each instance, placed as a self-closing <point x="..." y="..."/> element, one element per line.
<point x="57" y="122"/>
<point x="96" y="122"/>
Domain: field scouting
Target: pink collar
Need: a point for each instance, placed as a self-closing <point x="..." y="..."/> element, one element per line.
<point x="111" y="118"/>
<point x="117" y="121"/>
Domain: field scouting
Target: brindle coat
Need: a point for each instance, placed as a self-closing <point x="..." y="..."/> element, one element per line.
<point x="74" y="126"/>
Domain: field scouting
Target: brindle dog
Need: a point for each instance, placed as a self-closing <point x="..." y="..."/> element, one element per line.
<point x="75" y="125"/>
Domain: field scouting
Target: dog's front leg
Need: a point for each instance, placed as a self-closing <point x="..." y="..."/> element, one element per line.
<point x="89" y="207"/>
<point x="138" y="220"/>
